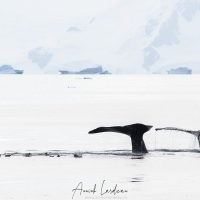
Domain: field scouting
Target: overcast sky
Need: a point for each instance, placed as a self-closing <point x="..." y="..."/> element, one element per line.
<point x="51" y="8"/>
<point x="25" y="24"/>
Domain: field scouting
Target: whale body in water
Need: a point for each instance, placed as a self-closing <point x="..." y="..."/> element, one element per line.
<point x="135" y="131"/>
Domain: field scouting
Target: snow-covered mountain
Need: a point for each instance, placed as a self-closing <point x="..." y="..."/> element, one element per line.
<point x="128" y="36"/>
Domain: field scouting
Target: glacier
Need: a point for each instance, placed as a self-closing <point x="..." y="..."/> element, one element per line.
<point x="125" y="37"/>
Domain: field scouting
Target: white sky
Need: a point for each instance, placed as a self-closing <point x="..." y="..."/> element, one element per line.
<point x="51" y="8"/>
<point x="25" y="24"/>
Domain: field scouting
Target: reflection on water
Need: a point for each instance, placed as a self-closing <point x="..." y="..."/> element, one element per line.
<point x="137" y="157"/>
<point x="137" y="180"/>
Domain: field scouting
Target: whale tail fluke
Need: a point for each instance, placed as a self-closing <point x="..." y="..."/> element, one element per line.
<point x="195" y="133"/>
<point x="117" y="129"/>
<point x="135" y="131"/>
<point x="177" y="129"/>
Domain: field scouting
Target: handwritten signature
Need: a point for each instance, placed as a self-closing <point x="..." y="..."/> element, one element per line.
<point x="103" y="191"/>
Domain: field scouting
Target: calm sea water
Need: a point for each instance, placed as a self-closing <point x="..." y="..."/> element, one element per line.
<point x="54" y="113"/>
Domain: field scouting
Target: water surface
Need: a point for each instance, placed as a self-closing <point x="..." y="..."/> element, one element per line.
<point x="53" y="114"/>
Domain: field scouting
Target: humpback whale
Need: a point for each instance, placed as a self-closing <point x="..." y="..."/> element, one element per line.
<point x="196" y="133"/>
<point x="135" y="131"/>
